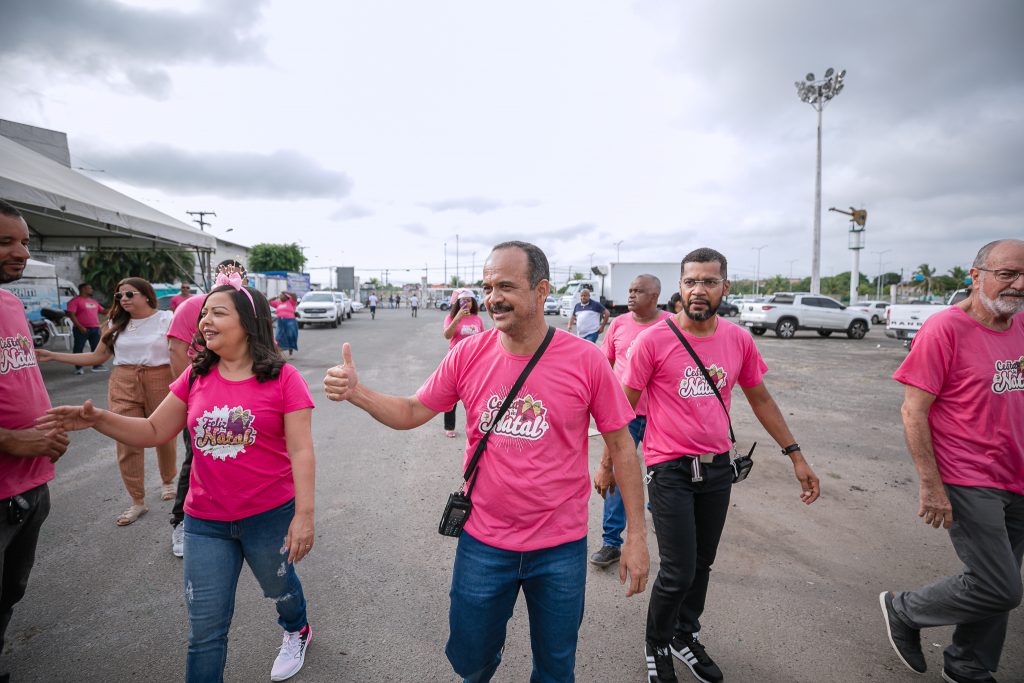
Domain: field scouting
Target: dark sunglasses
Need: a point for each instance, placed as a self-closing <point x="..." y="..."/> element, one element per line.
<point x="126" y="295"/>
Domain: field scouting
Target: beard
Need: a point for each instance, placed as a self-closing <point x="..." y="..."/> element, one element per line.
<point x="705" y="315"/>
<point x="1005" y="304"/>
<point x="5" y="278"/>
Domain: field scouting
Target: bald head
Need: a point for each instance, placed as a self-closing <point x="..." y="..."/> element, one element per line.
<point x="644" y="291"/>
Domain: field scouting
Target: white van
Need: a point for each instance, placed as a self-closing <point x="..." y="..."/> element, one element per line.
<point x="39" y="288"/>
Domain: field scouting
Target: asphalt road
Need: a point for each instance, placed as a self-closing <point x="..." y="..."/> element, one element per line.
<point x="793" y="594"/>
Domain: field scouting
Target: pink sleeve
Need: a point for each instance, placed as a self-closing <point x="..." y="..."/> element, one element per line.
<point x="641" y="364"/>
<point x="928" y="362"/>
<point x="606" y="345"/>
<point x="754" y="367"/>
<point x="179" y="387"/>
<point x="440" y="392"/>
<point x="181" y="328"/>
<point x="73" y="305"/>
<point x="608" y="403"/>
<point x="294" y="390"/>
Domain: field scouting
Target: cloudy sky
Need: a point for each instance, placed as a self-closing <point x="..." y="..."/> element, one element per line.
<point x="375" y="132"/>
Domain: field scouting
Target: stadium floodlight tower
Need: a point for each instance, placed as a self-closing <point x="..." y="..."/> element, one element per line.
<point x="818" y="93"/>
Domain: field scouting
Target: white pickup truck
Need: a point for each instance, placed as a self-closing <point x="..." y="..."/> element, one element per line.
<point x="787" y="312"/>
<point x="902" y="321"/>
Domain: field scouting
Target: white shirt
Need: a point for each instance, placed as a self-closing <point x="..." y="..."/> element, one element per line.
<point x="413" y="301"/>
<point x="144" y="341"/>
<point x="372" y="300"/>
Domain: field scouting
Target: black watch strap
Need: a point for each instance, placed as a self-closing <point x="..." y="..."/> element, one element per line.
<point x="791" y="448"/>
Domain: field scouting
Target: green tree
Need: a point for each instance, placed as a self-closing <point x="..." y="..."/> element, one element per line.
<point x="927" y="273"/>
<point x="456" y="281"/>
<point x="578" y="276"/>
<point x="267" y="257"/>
<point x="103" y="269"/>
<point x="960" y="275"/>
<point x="776" y="283"/>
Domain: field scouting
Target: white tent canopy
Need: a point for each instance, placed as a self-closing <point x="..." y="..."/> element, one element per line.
<point x="65" y="209"/>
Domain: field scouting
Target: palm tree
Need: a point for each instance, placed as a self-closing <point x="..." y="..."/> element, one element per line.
<point x="776" y="284"/>
<point x="926" y="272"/>
<point x="959" y="274"/>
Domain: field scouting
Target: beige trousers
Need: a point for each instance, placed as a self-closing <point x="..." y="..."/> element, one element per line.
<point x="136" y="391"/>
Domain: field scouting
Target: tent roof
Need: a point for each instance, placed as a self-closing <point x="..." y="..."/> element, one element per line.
<point x="67" y="209"/>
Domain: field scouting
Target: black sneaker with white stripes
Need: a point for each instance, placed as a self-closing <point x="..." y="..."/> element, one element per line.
<point x="659" y="664"/>
<point x="689" y="650"/>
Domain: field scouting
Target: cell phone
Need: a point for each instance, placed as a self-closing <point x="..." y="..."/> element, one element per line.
<point x="466" y="303"/>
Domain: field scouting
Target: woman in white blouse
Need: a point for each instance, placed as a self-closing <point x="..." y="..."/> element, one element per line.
<point x="136" y="337"/>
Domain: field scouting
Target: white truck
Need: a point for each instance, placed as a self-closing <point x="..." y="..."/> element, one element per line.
<point x="902" y="321"/>
<point x="610" y="284"/>
<point x="788" y="312"/>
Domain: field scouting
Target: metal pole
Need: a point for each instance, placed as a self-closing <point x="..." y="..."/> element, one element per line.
<point x="816" y="256"/>
<point x="854" y="276"/>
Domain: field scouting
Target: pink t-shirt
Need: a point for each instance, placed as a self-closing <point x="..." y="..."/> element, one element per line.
<point x="240" y="463"/>
<point x="618" y="347"/>
<point x="467" y="327"/>
<point x="285" y="309"/>
<point x="23" y="397"/>
<point x="179" y="299"/>
<point x="683" y="415"/>
<point x="533" y="482"/>
<point x="186" y="321"/>
<point x="977" y="377"/>
<point x="86" y="310"/>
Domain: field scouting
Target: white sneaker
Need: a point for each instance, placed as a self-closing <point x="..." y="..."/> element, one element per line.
<point x="79" y="371"/>
<point x="178" y="540"/>
<point x="101" y="368"/>
<point x="292" y="655"/>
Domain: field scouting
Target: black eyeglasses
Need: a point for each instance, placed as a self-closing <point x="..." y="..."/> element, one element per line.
<point x="127" y="295"/>
<point x="1004" y="276"/>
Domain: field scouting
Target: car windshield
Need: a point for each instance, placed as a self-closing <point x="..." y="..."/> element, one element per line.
<point x="313" y="296"/>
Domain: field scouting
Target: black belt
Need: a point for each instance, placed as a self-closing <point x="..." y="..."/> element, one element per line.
<point x="694" y="462"/>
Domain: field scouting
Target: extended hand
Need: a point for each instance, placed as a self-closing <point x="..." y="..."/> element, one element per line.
<point x="37" y="442"/>
<point x="635" y="562"/>
<point x="69" y="418"/>
<point x="935" y="507"/>
<point x="810" y="488"/>
<point x="341" y="380"/>
<point x="604" y="480"/>
<point x="299" y="540"/>
<point x="43" y="355"/>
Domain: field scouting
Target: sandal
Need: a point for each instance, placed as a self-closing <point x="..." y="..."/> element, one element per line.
<point x="168" y="491"/>
<point x="131" y="514"/>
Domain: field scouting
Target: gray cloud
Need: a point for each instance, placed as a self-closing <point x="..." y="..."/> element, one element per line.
<point x="284" y="174"/>
<point x="476" y="205"/>
<point x="351" y="212"/>
<point x="415" y="229"/>
<point x="128" y="47"/>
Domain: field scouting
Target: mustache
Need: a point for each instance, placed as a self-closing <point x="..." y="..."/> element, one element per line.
<point x="501" y="308"/>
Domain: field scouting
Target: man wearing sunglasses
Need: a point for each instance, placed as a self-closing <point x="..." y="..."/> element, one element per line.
<point x="26" y="453"/>
<point x="963" y="418"/>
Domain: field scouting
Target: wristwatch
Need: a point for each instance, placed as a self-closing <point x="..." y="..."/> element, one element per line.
<point x="791" y="448"/>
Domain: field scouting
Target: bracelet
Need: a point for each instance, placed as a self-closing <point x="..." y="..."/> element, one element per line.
<point x="791" y="448"/>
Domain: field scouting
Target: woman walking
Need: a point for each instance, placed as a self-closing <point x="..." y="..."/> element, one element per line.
<point x="136" y="338"/>
<point x="287" y="327"/>
<point x="462" y="321"/>
<point x="249" y="419"/>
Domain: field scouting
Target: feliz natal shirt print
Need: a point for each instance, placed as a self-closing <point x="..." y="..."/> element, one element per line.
<point x="23" y="397"/>
<point x="977" y="377"/>
<point x="533" y="480"/>
<point x="240" y="463"/>
<point x="684" y="416"/>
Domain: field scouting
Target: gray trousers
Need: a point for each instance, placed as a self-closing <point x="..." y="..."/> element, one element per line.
<point x="988" y="536"/>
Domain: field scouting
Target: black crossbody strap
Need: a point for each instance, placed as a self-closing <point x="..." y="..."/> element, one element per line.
<point x="504" y="407"/>
<point x="704" y="371"/>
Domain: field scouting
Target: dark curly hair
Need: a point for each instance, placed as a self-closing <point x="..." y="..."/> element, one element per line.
<point x="118" y="317"/>
<point x="266" y="358"/>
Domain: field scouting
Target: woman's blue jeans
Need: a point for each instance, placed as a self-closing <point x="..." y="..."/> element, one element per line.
<point x="485" y="585"/>
<point x="213" y="561"/>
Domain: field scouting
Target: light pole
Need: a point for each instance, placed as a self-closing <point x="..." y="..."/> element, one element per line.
<point x="818" y="93"/>
<point x="757" y="273"/>
<point x="457" y="259"/>
<point x="791" y="262"/>
<point x="591" y="263"/>
<point x="878" y="283"/>
<point x="617" y="245"/>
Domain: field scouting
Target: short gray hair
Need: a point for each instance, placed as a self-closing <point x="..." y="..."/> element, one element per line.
<point x="653" y="278"/>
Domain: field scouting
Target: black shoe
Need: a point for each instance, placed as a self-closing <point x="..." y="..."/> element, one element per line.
<point x="690" y="652"/>
<point x="659" y="664"/>
<point x="905" y="641"/>
<point x="606" y="556"/>
<point x="951" y="677"/>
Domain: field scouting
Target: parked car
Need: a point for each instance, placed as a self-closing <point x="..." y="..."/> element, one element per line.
<point x="787" y="312"/>
<point x="728" y="309"/>
<point x="344" y="303"/>
<point x="357" y="306"/>
<point x="318" y="308"/>
<point x="903" y="321"/>
<point x="551" y="306"/>
<point x="876" y="309"/>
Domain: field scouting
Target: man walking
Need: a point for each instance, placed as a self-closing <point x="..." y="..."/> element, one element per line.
<point x="589" y="316"/>
<point x="414" y="304"/>
<point x="688" y="448"/>
<point x="528" y="524"/>
<point x="963" y="417"/>
<point x="642" y="302"/>
<point x="27" y="454"/>
<point x="372" y="301"/>
<point x="180" y="298"/>
<point x="84" y="312"/>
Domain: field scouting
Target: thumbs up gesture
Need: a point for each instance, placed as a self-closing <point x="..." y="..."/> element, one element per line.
<point x="341" y="380"/>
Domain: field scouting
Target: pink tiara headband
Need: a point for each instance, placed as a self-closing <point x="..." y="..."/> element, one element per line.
<point x="235" y="280"/>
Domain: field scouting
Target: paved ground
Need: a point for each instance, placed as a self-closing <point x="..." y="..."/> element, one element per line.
<point x="792" y="598"/>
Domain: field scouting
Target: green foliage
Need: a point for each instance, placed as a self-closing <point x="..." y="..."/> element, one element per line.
<point x="959" y="275"/>
<point x="267" y="257"/>
<point x="774" y="284"/>
<point x="456" y="281"/>
<point x="578" y="276"/>
<point x="104" y="269"/>
<point x="928" y="273"/>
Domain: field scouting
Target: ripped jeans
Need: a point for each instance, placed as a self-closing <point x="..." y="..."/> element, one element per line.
<point x="213" y="561"/>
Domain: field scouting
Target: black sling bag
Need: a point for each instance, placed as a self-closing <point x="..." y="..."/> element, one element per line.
<point x="459" y="506"/>
<point x="741" y="464"/>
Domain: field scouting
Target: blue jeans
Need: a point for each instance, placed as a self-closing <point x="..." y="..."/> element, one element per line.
<point x="288" y="334"/>
<point x="213" y="561"/>
<point x="592" y="337"/>
<point x="485" y="586"/>
<point x="614" y="510"/>
<point x="91" y="335"/>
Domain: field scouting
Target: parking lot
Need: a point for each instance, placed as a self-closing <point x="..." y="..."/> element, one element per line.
<point x="793" y="594"/>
